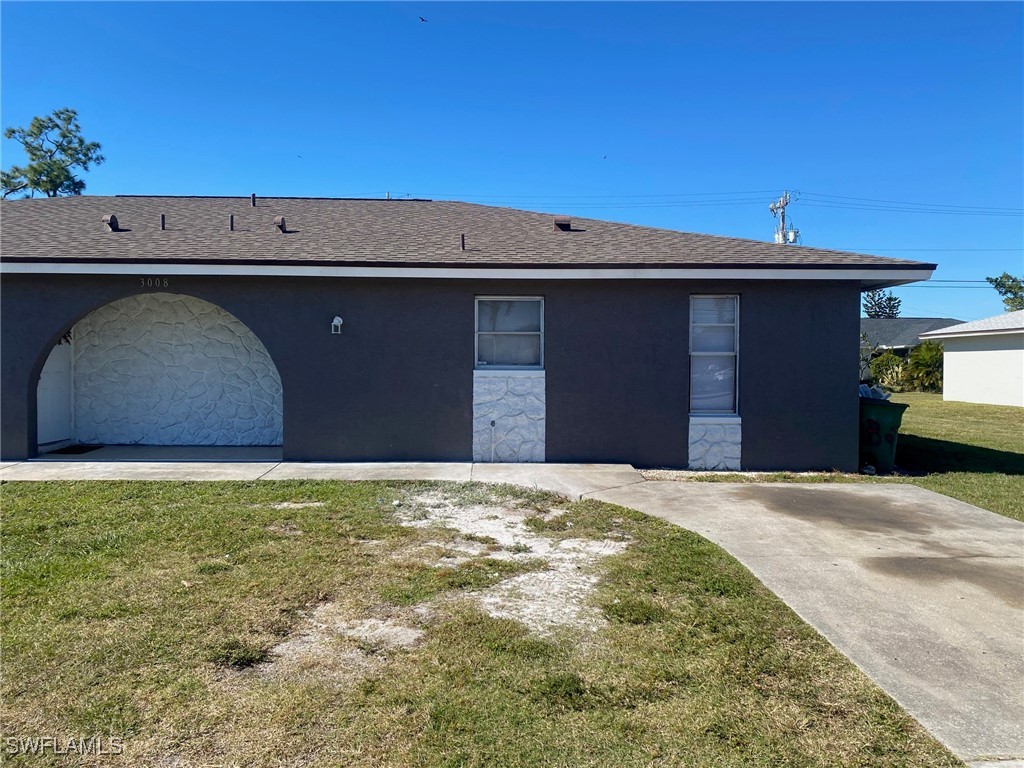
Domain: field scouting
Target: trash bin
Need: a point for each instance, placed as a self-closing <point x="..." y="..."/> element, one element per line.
<point x="879" y="428"/>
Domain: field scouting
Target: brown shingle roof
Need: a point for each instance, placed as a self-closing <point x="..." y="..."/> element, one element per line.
<point x="372" y="232"/>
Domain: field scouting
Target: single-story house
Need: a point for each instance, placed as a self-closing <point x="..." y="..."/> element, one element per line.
<point x="900" y="334"/>
<point x="897" y="334"/>
<point x="391" y="330"/>
<point x="983" y="361"/>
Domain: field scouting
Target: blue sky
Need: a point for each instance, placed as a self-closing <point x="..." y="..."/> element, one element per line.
<point x="900" y="123"/>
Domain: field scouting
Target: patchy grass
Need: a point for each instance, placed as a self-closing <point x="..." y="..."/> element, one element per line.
<point x="158" y="612"/>
<point x="971" y="452"/>
<point x="237" y="654"/>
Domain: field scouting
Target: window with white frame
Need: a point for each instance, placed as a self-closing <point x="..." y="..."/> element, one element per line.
<point x="714" y="352"/>
<point x="509" y="332"/>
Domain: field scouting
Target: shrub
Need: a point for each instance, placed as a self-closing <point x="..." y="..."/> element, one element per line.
<point x="888" y="369"/>
<point x="924" y="368"/>
<point x="868" y="352"/>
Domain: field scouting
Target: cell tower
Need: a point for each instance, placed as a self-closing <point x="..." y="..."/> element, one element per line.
<point x="784" y="235"/>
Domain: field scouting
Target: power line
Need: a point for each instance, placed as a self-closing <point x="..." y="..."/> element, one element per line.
<point x="663" y="203"/>
<point x="650" y="204"/>
<point x="597" y="197"/>
<point x="943" y="250"/>
<point x="668" y="200"/>
<point x="667" y="204"/>
<point x="891" y="209"/>
<point x="838" y="200"/>
<point x="917" y="205"/>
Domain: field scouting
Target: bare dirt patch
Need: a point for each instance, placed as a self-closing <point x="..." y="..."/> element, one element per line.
<point x="555" y="597"/>
<point x="334" y="645"/>
<point x="342" y="644"/>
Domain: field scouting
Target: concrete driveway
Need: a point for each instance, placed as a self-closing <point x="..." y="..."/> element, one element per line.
<point x="922" y="592"/>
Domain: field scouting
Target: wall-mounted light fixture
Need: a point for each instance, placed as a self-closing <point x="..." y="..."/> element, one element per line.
<point x="336" y="325"/>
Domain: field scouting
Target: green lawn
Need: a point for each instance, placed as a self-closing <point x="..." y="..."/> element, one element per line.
<point x="172" y="616"/>
<point x="971" y="452"/>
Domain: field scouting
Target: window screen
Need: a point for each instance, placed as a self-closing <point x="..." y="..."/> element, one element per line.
<point x="509" y="332"/>
<point x="713" y="353"/>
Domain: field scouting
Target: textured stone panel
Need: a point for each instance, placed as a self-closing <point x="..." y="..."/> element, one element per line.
<point x="165" y="369"/>
<point x="714" y="446"/>
<point x="508" y="418"/>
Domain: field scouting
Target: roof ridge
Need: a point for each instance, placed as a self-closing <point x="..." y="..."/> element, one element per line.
<point x="271" y="197"/>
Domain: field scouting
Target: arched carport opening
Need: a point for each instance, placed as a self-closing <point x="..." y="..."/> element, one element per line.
<point x="160" y="369"/>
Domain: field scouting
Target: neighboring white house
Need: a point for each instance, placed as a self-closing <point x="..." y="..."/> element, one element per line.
<point x="984" y="360"/>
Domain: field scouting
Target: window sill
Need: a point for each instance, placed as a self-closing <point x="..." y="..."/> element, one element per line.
<point x="504" y="372"/>
<point x="712" y="418"/>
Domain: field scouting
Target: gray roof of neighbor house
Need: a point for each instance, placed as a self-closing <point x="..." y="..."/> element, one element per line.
<point x="374" y="232"/>
<point x="900" y="332"/>
<point x="1011" y="322"/>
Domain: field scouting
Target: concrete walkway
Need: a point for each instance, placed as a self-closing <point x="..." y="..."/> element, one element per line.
<point x="922" y="592"/>
<point x="247" y="464"/>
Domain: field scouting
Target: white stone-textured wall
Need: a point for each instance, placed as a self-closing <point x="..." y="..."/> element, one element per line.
<point x="714" y="446"/>
<point x="166" y="369"/>
<point x="516" y="406"/>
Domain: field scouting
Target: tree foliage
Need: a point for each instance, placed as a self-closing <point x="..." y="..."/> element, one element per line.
<point x="881" y="304"/>
<point x="1011" y="289"/>
<point x="924" y="368"/>
<point x="55" y="149"/>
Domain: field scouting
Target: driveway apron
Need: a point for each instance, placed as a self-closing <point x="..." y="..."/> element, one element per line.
<point x="923" y="592"/>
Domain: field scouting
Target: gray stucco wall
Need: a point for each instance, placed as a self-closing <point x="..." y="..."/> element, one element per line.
<point x="397" y="384"/>
<point x="617" y="372"/>
<point x="798" y="376"/>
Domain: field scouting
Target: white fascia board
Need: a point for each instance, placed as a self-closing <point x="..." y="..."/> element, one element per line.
<point x="891" y="277"/>
<point x="969" y="334"/>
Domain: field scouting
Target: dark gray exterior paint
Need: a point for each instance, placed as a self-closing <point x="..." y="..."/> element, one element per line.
<point x="798" y="376"/>
<point x="397" y="383"/>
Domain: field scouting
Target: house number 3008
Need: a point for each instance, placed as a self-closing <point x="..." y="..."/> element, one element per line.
<point x="154" y="282"/>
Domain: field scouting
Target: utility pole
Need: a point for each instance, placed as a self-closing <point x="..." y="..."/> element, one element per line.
<point x="784" y="235"/>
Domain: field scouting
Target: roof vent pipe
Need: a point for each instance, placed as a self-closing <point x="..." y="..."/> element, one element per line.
<point x="163" y="222"/>
<point x="279" y="223"/>
<point x="231" y="223"/>
<point x="110" y="220"/>
<point x="252" y="199"/>
<point x="563" y="223"/>
<point x="462" y="241"/>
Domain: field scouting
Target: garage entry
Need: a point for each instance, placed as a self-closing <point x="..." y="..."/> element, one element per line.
<point x="160" y="369"/>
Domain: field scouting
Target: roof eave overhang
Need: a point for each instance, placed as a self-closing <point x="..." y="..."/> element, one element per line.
<point x="867" y="276"/>
<point x="969" y="334"/>
<point x="892" y="279"/>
